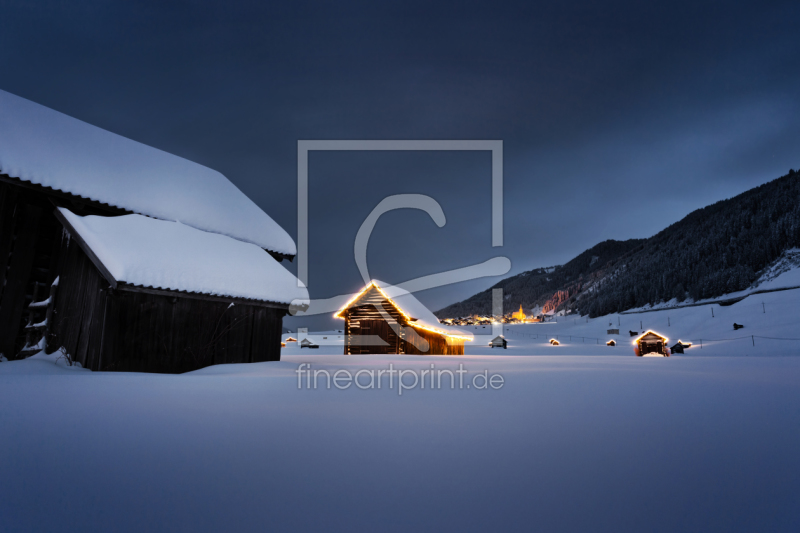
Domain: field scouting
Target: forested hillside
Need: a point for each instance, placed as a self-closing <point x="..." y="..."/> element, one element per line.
<point x="712" y="251"/>
<point x="548" y="288"/>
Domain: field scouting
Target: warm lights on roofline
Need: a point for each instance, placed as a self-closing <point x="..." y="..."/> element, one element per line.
<point x="372" y="283"/>
<point x="637" y="339"/>
<point x="338" y="314"/>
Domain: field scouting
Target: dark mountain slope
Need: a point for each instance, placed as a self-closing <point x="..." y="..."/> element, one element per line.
<point x="551" y="287"/>
<point x="715" y="250"/>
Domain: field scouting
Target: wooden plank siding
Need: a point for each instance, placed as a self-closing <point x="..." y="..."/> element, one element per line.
<point x="375" y="315"/>
<point x="18" y="274"/>
<point x="141" y="331"/>
<point x="29" y="247"/>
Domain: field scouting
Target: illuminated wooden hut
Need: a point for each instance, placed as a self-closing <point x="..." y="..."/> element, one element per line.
<point x="554" y="342"/>
<point x="383" y="319"/>
<point x="651" y="343"/>
<point x="612" y="342"/>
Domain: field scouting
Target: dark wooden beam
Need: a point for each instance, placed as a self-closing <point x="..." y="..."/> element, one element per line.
<point x="8" y="203"/>
<point x="12" y="303"/>
<point x="279" y="257"/>
<point x="86" y="206"/>
<point x="65" y="199"/>
<point x="122" y="286"/>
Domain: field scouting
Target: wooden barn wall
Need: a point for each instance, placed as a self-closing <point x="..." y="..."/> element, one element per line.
<point x="437" y="345"/>
<point x="157" y="333"/>
<point x="80" y="304"/>
<point x="367" y="326"/>
<point x="366" y="319"/>
<point x="28" y="257"/>
<point x="120" y="330"/>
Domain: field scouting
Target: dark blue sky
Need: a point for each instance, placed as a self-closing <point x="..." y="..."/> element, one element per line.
<point x="618" y="118"/>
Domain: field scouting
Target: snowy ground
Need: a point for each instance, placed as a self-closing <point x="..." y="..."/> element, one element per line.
<point x="571" y="441"/>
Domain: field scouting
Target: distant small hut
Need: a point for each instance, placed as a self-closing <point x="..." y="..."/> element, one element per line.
<point x="651" y="343"/>
<point x="554" y="342"/>
<point x="384" y="319"/>
<point x="290" y="339"/>
<point x="680" y="346"/>
<point x="305" y="343"/>
<point x="612" y="342"/>
<point x="499" y="342"/>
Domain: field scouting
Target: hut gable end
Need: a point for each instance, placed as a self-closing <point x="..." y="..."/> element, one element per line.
<point x="380" y="319"/>
<point x="372" y="305"/>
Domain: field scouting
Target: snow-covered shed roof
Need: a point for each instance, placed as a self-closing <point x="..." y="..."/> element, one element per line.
<point x="158" y="254"/>
<point x="47" y="148"/>
<point x="650" y="335"/>
<point x="409" y="306"/>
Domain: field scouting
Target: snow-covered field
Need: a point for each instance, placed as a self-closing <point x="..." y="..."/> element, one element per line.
<point x="571" y="441"/>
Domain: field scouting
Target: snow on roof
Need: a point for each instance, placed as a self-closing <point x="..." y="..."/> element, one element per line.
<point x="649" y="332"/>
<point x="48" y="148"/>
<point x="154" y="253"/>
<point x="411" y="307"/>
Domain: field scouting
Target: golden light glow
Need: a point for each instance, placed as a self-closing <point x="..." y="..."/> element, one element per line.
<point x="554" y="342"/>
<point x="612" y="342"/>
<point x="636" y="341"/>
<point x="338" y="314"/>
<point x="519" y="315"/>
<point x="408" y="318"/>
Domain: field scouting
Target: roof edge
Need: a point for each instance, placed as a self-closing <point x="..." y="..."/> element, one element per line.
<point x="128" y="287"/>
<point x="115" y="210"/>
<point x="75" y="234"/>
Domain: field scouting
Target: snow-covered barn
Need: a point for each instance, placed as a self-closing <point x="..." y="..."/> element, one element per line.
<point x="385" y="319"/>
<point x="64" y="188"/>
